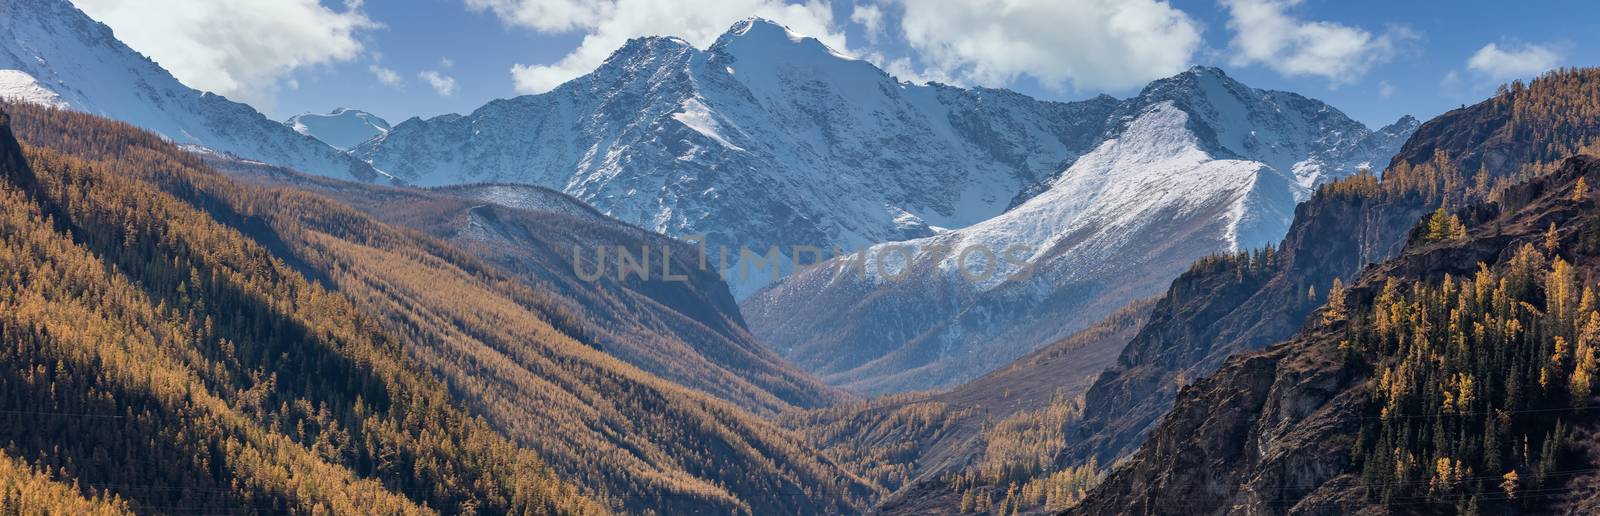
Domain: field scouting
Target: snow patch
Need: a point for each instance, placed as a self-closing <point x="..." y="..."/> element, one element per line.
<point x="17" y="85"/>
<point x="698" y="117"/>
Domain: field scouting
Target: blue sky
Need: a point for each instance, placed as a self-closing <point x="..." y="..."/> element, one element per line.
<point x="400" y="58"/>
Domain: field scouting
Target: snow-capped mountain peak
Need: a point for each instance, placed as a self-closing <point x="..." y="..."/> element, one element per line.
<point x="52" y="46"/>
<point x="1196" y="164"/>
<point x="756" y="36"/>
<point x="1293" y="134"/>
<point x="766" y="138"/>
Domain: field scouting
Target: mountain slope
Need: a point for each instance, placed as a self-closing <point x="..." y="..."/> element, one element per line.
<point x="766" y="138"/>
<point x="1229" y="306"/>
<point x="984" y="434"/>
<point x="509" y="374"/>
<point x="686" y="329"/>
<point x="1196" y="164"/>
<point x="54" y="54"/>
<point x="1421" y="388"/>
<point x="163" y="357"/>
<point x="341" y="128"/>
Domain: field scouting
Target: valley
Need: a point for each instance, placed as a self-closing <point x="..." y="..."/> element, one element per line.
<point x="976" y="290"/>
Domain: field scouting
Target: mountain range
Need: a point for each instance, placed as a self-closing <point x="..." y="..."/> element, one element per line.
<point x="767" y="138"/>
<point x="1204" y="298"/>
<point x="771" y="139"/>
<point x="1196" y="164"/>
<point x="1105" y="200"/>
<point x="53" y="54"/>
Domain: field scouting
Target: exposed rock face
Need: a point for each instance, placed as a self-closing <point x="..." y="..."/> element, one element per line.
<point x="1272" y="432"/>
<point x="1232" y="426"/>
<point x="1209" y="315"/>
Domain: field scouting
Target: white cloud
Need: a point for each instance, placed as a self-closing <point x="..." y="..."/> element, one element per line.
<point x="446" y="63"/>
<point x="442" y="84"/>
<point x="870" y="16"/>
<point x="1087" y="44"/>
<point x="1513" y="61"/>
<point x="546" y="15"/>
<point x="607" y="24"/>
<point x="240" y="48"/>
<point x="1385" y="89"/>
<point x="385" y="76"/>
<point x="1266" y="33"/>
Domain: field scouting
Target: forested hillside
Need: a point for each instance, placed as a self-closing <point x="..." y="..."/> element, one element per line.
<point x="282" y="349"/>
<point x="1466" y="157"/>
<point x="158" y="360"/>
<point x="1458" y="377"/>
<point x="1223" y="307"/>
<point x="685" y="328"/>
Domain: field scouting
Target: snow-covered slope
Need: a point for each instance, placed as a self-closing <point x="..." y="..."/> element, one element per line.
<point x="343" y="128"/>
<point x="766" y="138"/>
<point x="18" y="86"/>
<point x="1196" y="164"/>
<point x="52" y="53"/>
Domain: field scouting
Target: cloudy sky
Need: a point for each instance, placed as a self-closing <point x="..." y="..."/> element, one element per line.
<point x="1376" y="60"/>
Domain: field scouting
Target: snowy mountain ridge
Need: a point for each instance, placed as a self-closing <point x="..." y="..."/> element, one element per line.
<point x="51" y="53"/>
<point x="1193" y="141"/>
<point x="766" y="138"/>
<point x="1196" y="164"/>
<point x="341" y="128"/>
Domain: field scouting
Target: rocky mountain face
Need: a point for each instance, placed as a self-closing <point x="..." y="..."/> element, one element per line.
<point x="341" y="128"/>
<point x="1196" y="164"/>
<point x="1304" y="427"/>
<point x="767" y="138"/>
<point x="1225" y="307"/>
<point x="53" y="54"/>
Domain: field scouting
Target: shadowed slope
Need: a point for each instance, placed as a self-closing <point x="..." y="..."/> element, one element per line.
<point x="685" y="329"/>
<point x="162" y="356"/>
<point x="389" y="300"/>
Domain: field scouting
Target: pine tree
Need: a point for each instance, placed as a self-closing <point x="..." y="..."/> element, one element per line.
<point x="1336" y="310"/>
<point x="1444" y="227"/>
